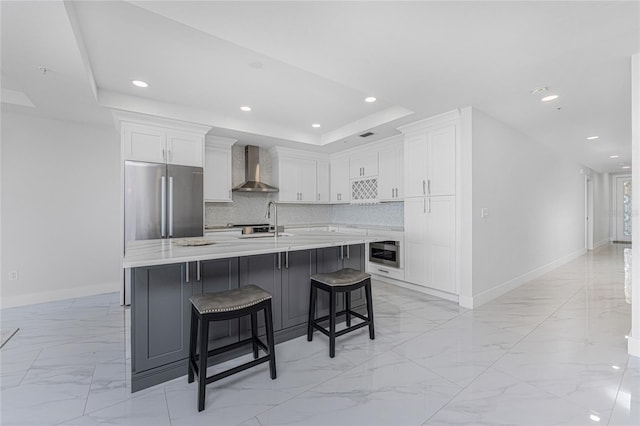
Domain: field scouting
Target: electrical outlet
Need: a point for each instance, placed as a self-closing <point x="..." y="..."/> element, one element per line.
<point x="13" y="275"/>
<point x="484" y="212"/>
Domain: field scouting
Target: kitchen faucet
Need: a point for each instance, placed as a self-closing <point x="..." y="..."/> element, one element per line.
<point x="275" y="217"/>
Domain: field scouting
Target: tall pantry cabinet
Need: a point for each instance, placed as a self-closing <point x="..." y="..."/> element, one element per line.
<point x="430" y="201"/>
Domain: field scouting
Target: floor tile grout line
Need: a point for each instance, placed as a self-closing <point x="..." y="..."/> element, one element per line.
<point x="352" y="367"/>
<point x="626" y="368"/>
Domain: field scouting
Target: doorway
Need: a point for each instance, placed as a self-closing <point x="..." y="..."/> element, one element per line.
<point x="622" y="209"/>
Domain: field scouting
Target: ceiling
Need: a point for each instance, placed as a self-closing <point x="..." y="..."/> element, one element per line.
<point x="299" y="63"/>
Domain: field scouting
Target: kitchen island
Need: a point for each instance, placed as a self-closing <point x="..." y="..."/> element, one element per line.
<point x="165" y="274"/>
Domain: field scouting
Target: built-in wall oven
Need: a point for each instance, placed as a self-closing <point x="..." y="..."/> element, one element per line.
<point x="385" y="253"/>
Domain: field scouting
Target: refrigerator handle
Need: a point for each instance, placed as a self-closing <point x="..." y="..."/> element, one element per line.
<point x="170" y="220"/>
<point x="163" y="208"/>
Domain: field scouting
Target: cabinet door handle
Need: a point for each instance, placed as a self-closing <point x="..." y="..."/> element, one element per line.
<point x="163" y="207"/>
<point x="164" y="154"/>
<point x="382" y="270"/>
<point x="286" y="260"/>
<point x="348" y="254"/>
<point x="341" y="252"/>
<point x="429" y="205"/>
<point x="424" y="190"/>
<point x="424" y="205"/>
<point x="429" y="186"/>
<point x="279" y="260"/>
<point x="170" y="218"/>
<point x="198" y="271"/>
<point x="170" y="155"/>
<point x="318" y="196"/>
<point x="186" y="272"/>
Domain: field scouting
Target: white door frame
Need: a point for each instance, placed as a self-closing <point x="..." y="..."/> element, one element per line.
<point x="588" y="212"/>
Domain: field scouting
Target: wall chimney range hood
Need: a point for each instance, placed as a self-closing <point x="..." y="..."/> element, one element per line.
<point x="252" y="173"/>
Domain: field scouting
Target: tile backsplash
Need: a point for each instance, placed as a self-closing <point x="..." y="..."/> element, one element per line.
<point x="251" y="208"/>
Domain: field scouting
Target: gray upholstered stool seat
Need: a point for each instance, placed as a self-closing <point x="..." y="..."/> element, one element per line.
<point x="231" y="300"/>
<point x="222" y="306"/>
<point x="346" y="276"/>
<point x="343" y="281"/>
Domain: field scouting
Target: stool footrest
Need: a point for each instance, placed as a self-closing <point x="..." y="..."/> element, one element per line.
<point x="341" y="332"/>
<point x="354" y="313"/>
<point x="237" y="369"/>
<point x="235" y="345"/>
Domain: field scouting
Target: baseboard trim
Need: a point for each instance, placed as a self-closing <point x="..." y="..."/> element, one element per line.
<point x="418" y="288"/>
<point x="507" y="286"/>
<point x="65" y="293"/>
<point x="600" y="244"/>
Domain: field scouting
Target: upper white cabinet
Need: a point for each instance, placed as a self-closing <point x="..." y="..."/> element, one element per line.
<point x="323" y="181"/>
<point x="430" y="160"/>
<point x="391" y="173"/>
<point x="340" y="183"/>
<point x="296" y="175"/>
<point x="217" y="169"/>
<point x="160" y="140"/>
<point x="363" y="164"/>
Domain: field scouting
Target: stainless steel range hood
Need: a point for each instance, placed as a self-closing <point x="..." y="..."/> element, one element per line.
<point x="252" y="173"/>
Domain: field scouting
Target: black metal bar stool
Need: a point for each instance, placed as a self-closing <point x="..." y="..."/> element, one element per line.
<point x="343" y="281"/>
<point x="226" y="305"/>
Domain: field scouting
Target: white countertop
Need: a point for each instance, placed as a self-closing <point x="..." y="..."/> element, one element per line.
<point x="312" y="225"/>
<point x="162" y="252"/>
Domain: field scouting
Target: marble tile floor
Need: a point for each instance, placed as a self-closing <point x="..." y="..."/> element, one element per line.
<point x="552" y="352"/>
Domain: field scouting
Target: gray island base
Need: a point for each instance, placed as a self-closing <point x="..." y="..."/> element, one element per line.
<point x="160" y="307"/>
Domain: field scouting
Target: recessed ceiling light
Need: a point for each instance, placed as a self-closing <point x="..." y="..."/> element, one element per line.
<point x="626" y="167"/>
<point x="591" y="138"/>
<point x="245" y="108"/>
<point x="315" y="125"/>
<point x="139" y="83"/>
<point x="594" y="418"/>
<point x="614" y="156"/>
<point x="549" y="98"/>
<point x="370" y="99"/>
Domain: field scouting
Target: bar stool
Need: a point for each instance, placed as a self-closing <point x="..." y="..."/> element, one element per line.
<point x="343" y="281"/>
<point x="226" y="305"/>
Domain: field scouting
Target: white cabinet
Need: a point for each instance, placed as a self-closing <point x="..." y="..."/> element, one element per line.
<point x="340" y="183"/>
<point x="363" y="164"/>
<point x="430" y="161"/>
<point x="144" y="142"/>
<point x="297" y="177"/>
<point x="296" y="180"/>
<point x="217" y="169"/>
<point x="323" y="181"/>
<point x="391" y="173"/>
<point x="430" y="201"/>
<point x="430" y="242"/>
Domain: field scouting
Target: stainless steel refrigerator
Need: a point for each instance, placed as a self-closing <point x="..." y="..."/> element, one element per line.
<point x="161" y="201"/>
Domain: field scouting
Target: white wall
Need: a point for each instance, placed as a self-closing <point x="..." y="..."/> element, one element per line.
<point x="60" y="209"/>
<point x="536" y="203"/>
